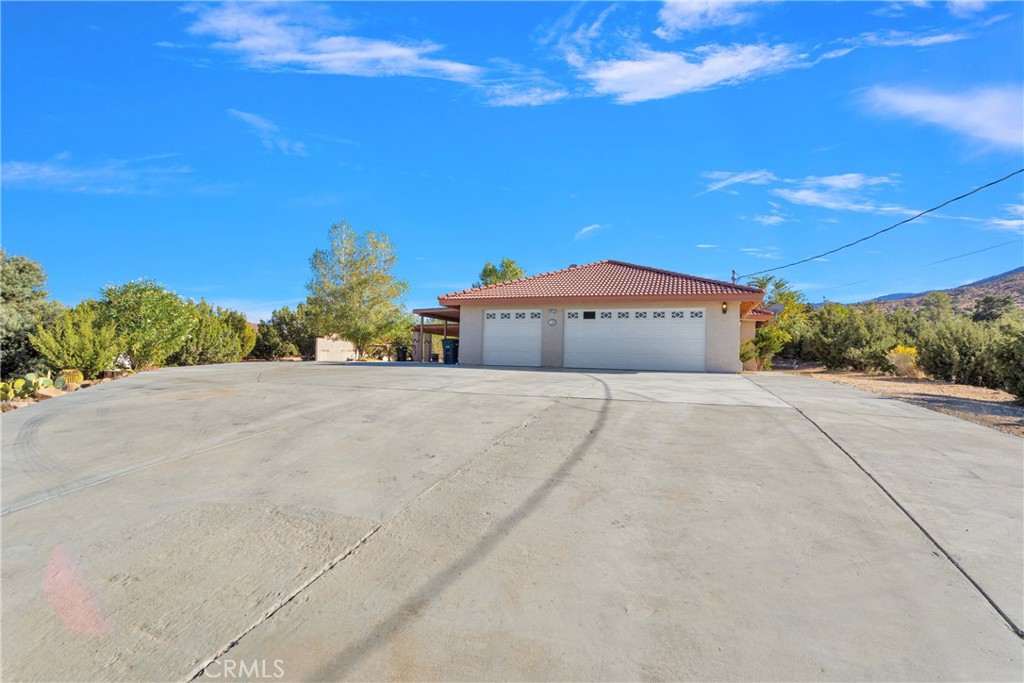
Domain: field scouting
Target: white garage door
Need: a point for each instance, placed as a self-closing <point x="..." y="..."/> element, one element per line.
<point x="512" y="337"/>
<point x="635" y="339"/>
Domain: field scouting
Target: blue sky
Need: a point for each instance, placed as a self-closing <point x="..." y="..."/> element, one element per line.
<point x="211" y="146"/>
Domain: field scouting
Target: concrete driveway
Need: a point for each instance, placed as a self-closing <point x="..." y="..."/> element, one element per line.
<point x="331" y="522"/>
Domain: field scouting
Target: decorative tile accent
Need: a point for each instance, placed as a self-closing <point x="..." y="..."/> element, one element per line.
<point x="678" y="314"/>
<point x="623" y="314"/>
<point x="535" y="315"/>
<point x="574" y="314"/>
<point x="659" y="314"/>
<point x="696" y="314"/>
<point x="506" y="316"/>
<point x="491" y="316"/>
<point x="606" y="315"/>
<point x="640" y="314"/>
<point x="520" y="316"/>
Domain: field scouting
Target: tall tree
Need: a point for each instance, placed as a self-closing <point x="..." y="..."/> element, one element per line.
<point x="354" y="292"/>
<point x="23" y="308"/>
<point x="492" y="274"/>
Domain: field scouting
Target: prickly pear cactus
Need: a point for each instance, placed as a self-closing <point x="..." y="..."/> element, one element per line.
<point x="6" y="391"/>
<point x="60" y="383"/>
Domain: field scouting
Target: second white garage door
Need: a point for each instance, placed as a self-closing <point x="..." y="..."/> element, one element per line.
<point x="635" y="339"/>
<point x="512" y="337"/>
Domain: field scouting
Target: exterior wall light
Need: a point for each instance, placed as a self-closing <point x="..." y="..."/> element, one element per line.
<point x="725" y="307"/>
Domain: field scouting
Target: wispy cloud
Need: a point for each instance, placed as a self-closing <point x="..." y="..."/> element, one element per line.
<point x="994" y="115"/>
<point x="108" y="176"/>
<point x="705" y="246"/>
<point x="843" y="192"/>
<point x="308" y="38"/>
<point x="723" y="179"/>
<point x="762" y="252"/>
<point x="590" y="229"/>
<point x="965" y="9"/>
<point x="770" y="219"/>
<point x="650" y="74"/>
<point x="679" y="18"/>
<point x="906" y="39"/>
<point x="269" y="133"/>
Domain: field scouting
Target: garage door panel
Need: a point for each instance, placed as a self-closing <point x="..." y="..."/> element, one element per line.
<point x="512" y="337"/>
<point x="651" y="339"/>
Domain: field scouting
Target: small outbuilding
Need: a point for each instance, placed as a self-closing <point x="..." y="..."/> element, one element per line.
<point x="605" y="315"/>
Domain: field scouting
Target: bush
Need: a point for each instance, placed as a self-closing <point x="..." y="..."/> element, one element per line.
<point x="903" y="360"/>
<point x="835" y="332"/>
<point x="879" y="338"/>
<point x="212" y="339"/>
<point x="1009" y="354"/>
<point x="959" y="350"/>
<point x="270" y="345"/>
<point x="151" y="321"/>
<point x="76" y="339"/>
<point x="768" y="340"/>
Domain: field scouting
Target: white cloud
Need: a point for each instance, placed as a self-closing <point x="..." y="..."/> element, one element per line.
<point x="762" y="252"/>
<point x="517" y="86"/>
<point x="678" y="18"/>
<point x="905" y="39"/>
<point x="651" y="75"/>
<point x="841" y="192"/>
<point x="109" y="176"/>
<point x="849" y="181"/>
<point x="723" y="179"/>
<point x="965" y="9"/>
<point x="770" y="219"/>
<point x="269" y="133"/>
<point x="307" y="38"/>
<point x="590" y="229"/>
<point x="994" y="115"/>
<point x="705" y="246"/>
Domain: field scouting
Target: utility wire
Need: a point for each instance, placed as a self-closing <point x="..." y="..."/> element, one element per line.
<point x="891" y="227"/>
<point x="971" y="253"/>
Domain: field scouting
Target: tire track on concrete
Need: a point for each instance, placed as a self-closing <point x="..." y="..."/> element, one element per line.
<point x="977" y="586"/>
<point x="512" y="519"/>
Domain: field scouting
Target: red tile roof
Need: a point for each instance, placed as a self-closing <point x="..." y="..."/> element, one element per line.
<point x="759" y="314"/>
<point x="605" y="279"/>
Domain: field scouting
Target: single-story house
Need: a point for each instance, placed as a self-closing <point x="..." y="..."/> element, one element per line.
<point x="605" y="315"/>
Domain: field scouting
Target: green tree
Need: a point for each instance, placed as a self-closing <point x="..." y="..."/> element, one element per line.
<point x="151" y="321"/>
<point x="936" y="306"/>
<point x="240" y="324"/>
<point x="834" y="331"/>
<point x="906" y="326"/>
<point x="1008" y="352"/>
<point x="879" y="339"/>
<point x="354" y="292"/>
<point x="300" y="327"/>
<point x="993" y="307"/>
<point x="77" y="340"/>
<point x="505" y="271"/>
<point x="23" y="308"/>
<point x="270" y="345"/>
<point x="960" y="350"/>
<point x="211" y="339"/>
<point x="788" y="323"/>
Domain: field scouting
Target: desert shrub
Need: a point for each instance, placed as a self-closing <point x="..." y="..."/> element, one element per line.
<point x="246" y="334"/>
<point x="906" y="326"/>
<point x="879" y="337"/>
<point x="768" y="340"/>
<point x="835" y="332"/>
<point x="270" y="345"/>
<point x="77" y="340"/>
<point x="903" y="360"/>
<point x="959" y="350"/>
<point x="151" y="321"/>
<point x="211" y="339"/>
<point x="1008" y="352"/>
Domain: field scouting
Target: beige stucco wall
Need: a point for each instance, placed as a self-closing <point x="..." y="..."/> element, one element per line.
<point x="747" y="330"/>
<point x="722" y="333"/>
<point x="722" y="338"/>
<point x="471" y="335"/>
<point x="334" y="349"/>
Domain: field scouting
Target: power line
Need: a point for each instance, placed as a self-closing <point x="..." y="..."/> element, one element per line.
<point x="971" y="253"/>
<point x="891" y="227"/>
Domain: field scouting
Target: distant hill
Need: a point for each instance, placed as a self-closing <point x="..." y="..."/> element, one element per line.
<point x="965" y="296"/>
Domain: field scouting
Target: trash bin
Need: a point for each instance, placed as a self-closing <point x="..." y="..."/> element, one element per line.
<point x="451" y="351"/>
<point x="401" y="354"/>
